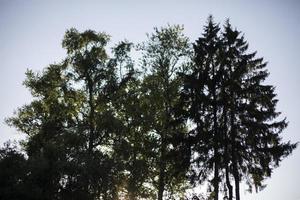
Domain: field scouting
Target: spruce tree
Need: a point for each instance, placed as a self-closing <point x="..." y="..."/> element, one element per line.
<point x="98" y="129"/>
<point x="255" y="127"/>
<point x="200" y="97"/>
<point x="236" y="127"/>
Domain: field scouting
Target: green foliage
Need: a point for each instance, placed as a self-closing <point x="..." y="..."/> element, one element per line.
<point x="12" y="173"/>
<point x="98" y="128"/>
<point x="164" y="55"/>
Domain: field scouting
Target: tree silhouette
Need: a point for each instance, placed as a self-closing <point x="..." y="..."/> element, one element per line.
<point x="255" y="142"/>
<point x="236" y="133"/>
<point x="200" y="97"/>
<point x="101" y="128"/>
<point x="72" y="125"/>
<point x="163" y="56"/>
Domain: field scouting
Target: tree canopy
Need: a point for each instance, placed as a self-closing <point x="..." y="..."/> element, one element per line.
<point x="103" y="126"/>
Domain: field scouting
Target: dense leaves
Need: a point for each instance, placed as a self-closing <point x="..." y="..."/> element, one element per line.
<point x="100" y="127"/>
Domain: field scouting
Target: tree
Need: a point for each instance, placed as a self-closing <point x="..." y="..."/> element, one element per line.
<point x="134" y="143"/>
<point x="72" y="124"/>
<point x="12" y="173"/>
<point x="98" y="128"/>
<point x="163" y="56"/>
<point x="236" y="131"/>
<point x="201" y="100"/>
<point x="255" y="142"/>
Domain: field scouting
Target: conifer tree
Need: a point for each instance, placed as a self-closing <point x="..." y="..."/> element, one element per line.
<point x="255" y="142"/>
<point x="98" y="129"/>
<point x="200" y="96"/>
<point x="237" y="131"/>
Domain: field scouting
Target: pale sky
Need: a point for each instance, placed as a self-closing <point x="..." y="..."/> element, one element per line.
<point x="31" y="33"/>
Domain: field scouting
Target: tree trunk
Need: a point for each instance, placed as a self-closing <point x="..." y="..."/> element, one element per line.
<point x="237" y="183"/>
<point x="235" y="167"/>
<point x="216" y="181"/>
<point x="161" y="184"/>
<point x="229" y="186"/>
<point x="234" y="160"/>
<point x="162" y="168"/>
<point x="233" y="148"/>
<point x="216" y="139"/>
<point x="227" y="152"/>
<point x="164" y="134"/>
<point x="91" y="116"/>
<point x="91" y="125"/>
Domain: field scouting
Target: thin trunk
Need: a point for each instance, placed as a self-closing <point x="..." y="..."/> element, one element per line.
<point x="227" y="172"/>
<point x="162" y="162"/>
<point x="132" y="190"/>
<point x="233" y="150"/>
<point x="216" y="181"/>
<point x="237" y="184"/>
<point x="91" y="133"/>
<point x="91" y="116"/>
<point x="162" y="166"/>
<point x="229" y="186"/>
<point x="216" y="143"/>
<point x="216" y="155"/>
<point x="235" y="172"/>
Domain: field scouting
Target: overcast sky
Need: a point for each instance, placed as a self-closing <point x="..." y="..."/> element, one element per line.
<point x="31" y="33"/>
